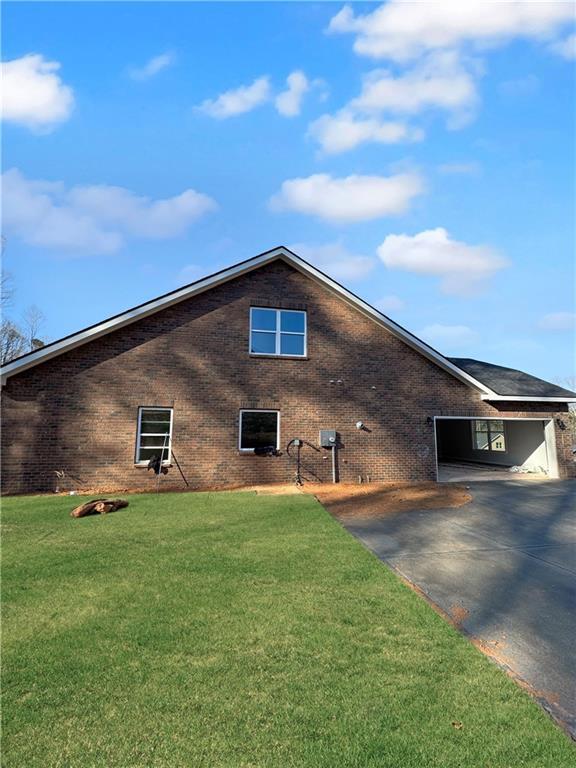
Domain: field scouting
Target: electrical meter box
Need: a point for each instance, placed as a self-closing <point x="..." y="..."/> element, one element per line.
<point x="327" y="438"/>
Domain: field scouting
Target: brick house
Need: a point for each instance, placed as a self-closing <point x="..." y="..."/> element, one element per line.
<point x="224" y="373"/>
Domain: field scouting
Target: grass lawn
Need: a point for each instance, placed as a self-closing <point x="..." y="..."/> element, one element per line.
<point x="230" y="629"/>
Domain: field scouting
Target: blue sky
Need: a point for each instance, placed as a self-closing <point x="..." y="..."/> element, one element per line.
<point x="424" y="161"/>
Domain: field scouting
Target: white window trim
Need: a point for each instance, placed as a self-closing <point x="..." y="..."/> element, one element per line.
<point x="257" y="410"/>
<point x="489" y="449"/>
<point x="141" y="408"/>
<point x="277" y="333"/>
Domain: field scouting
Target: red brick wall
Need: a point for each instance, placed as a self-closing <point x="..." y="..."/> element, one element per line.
<point x="78" y="412"/>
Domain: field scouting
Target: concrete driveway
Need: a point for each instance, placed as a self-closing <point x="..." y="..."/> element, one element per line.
<point x="504" y="568"/>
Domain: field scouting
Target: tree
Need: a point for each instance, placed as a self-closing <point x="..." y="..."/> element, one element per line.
<point x="12" y="342"/>
<point x="33" y="320"/>
<point x="16" y="340"/>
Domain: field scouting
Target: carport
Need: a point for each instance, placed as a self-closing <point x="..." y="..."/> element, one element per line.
<point x="479" y="448"/>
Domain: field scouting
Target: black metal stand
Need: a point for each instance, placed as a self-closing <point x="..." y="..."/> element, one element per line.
<point x="179" y="468"/>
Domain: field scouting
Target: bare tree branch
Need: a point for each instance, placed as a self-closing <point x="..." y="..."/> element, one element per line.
<point x="33" y="320"/>
<point x="15" y="340"/>
<point x="6" y="290"/>
<point x="12" y="342"/>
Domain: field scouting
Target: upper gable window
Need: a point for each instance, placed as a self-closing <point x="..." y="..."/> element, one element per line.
<point x="278" y="332"/>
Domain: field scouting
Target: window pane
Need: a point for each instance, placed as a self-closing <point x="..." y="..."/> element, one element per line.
<point x="496" y="425"/>
<point x="153" y="441"/>
<point x="263" y="343"/>
<point x="259" y="429"/>
<point x="291" y="345"/>
<point x="154" y="421"/>
<point x="292" y="321"/>
<point x="481" y="425"/>
<point x="481" y="441"/>
<point x="263" y="319"/>
<point x="147" y="453"/>
<point x="153" y="414"/>
<point x="154" y="427"/>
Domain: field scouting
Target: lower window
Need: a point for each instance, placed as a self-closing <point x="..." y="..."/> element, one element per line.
<point x="488" y="435"/>
<point x="154" y="436"/>
<point x="259" y="429"/>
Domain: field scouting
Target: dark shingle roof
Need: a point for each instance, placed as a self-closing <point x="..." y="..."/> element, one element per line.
<point x="508" y="381"/>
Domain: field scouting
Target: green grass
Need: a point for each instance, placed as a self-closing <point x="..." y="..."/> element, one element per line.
<point x="237" y="630"/>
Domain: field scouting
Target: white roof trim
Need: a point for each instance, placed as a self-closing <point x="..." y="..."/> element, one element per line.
<point x="530" y="399"/>
<point x="144" y="310"/>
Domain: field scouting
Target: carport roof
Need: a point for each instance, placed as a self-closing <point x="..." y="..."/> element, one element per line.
<point x="508" y="381"/>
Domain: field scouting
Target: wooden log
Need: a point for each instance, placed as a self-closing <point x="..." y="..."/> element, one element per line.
<point x="98" y="506"/>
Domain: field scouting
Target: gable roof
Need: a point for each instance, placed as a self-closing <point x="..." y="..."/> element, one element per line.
<point x="281" y="253"/>
<point x="508" y="382"/>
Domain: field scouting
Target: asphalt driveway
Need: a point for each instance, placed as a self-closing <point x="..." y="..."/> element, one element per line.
<point x="504" y="568"/>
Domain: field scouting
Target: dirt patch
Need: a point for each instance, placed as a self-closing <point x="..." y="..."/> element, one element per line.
<point x="345" y="500"/>
<point x="459" y="614"/>
<point x="370" y="500"/>
<point x="281" y="489"/>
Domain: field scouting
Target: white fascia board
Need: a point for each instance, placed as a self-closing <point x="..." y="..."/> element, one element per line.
<point x="151" y="307"/>
<point x="401" y="333"/>
<point x="126" y="318"/>
<point x="531" y="399"/>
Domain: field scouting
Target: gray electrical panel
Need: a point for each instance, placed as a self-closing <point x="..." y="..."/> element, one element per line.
<point x="327" y="438"/>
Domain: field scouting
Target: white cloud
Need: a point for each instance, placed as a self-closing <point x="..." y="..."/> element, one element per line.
<point x="558" y="321"/>
<point x="289" y="102"/>
<point x="390" y="303"/>
<point x="566" y="47"/>
<point x="449" y="336"/>
<point x="92" y="219"/>
<point x="153" y="66"/>
<point x="336" y="260"/>
<point x="238" y="101"/>
<point x="463" y="268"/>
<point x="439" y="82"/>
<point x="353" y="198"/>
<point x="344" y="131"/>
<point x="33" y="93"/>
<point x="402" y="30"/>
<point x="439" y="36"/>
<point x="140" y="216"/>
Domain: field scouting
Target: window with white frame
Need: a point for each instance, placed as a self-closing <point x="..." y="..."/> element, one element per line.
<point x="154" y="436"/>
<point x="488" y="435"/>
<point x="278" y="332"/>
<point x="259" y="429"/>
